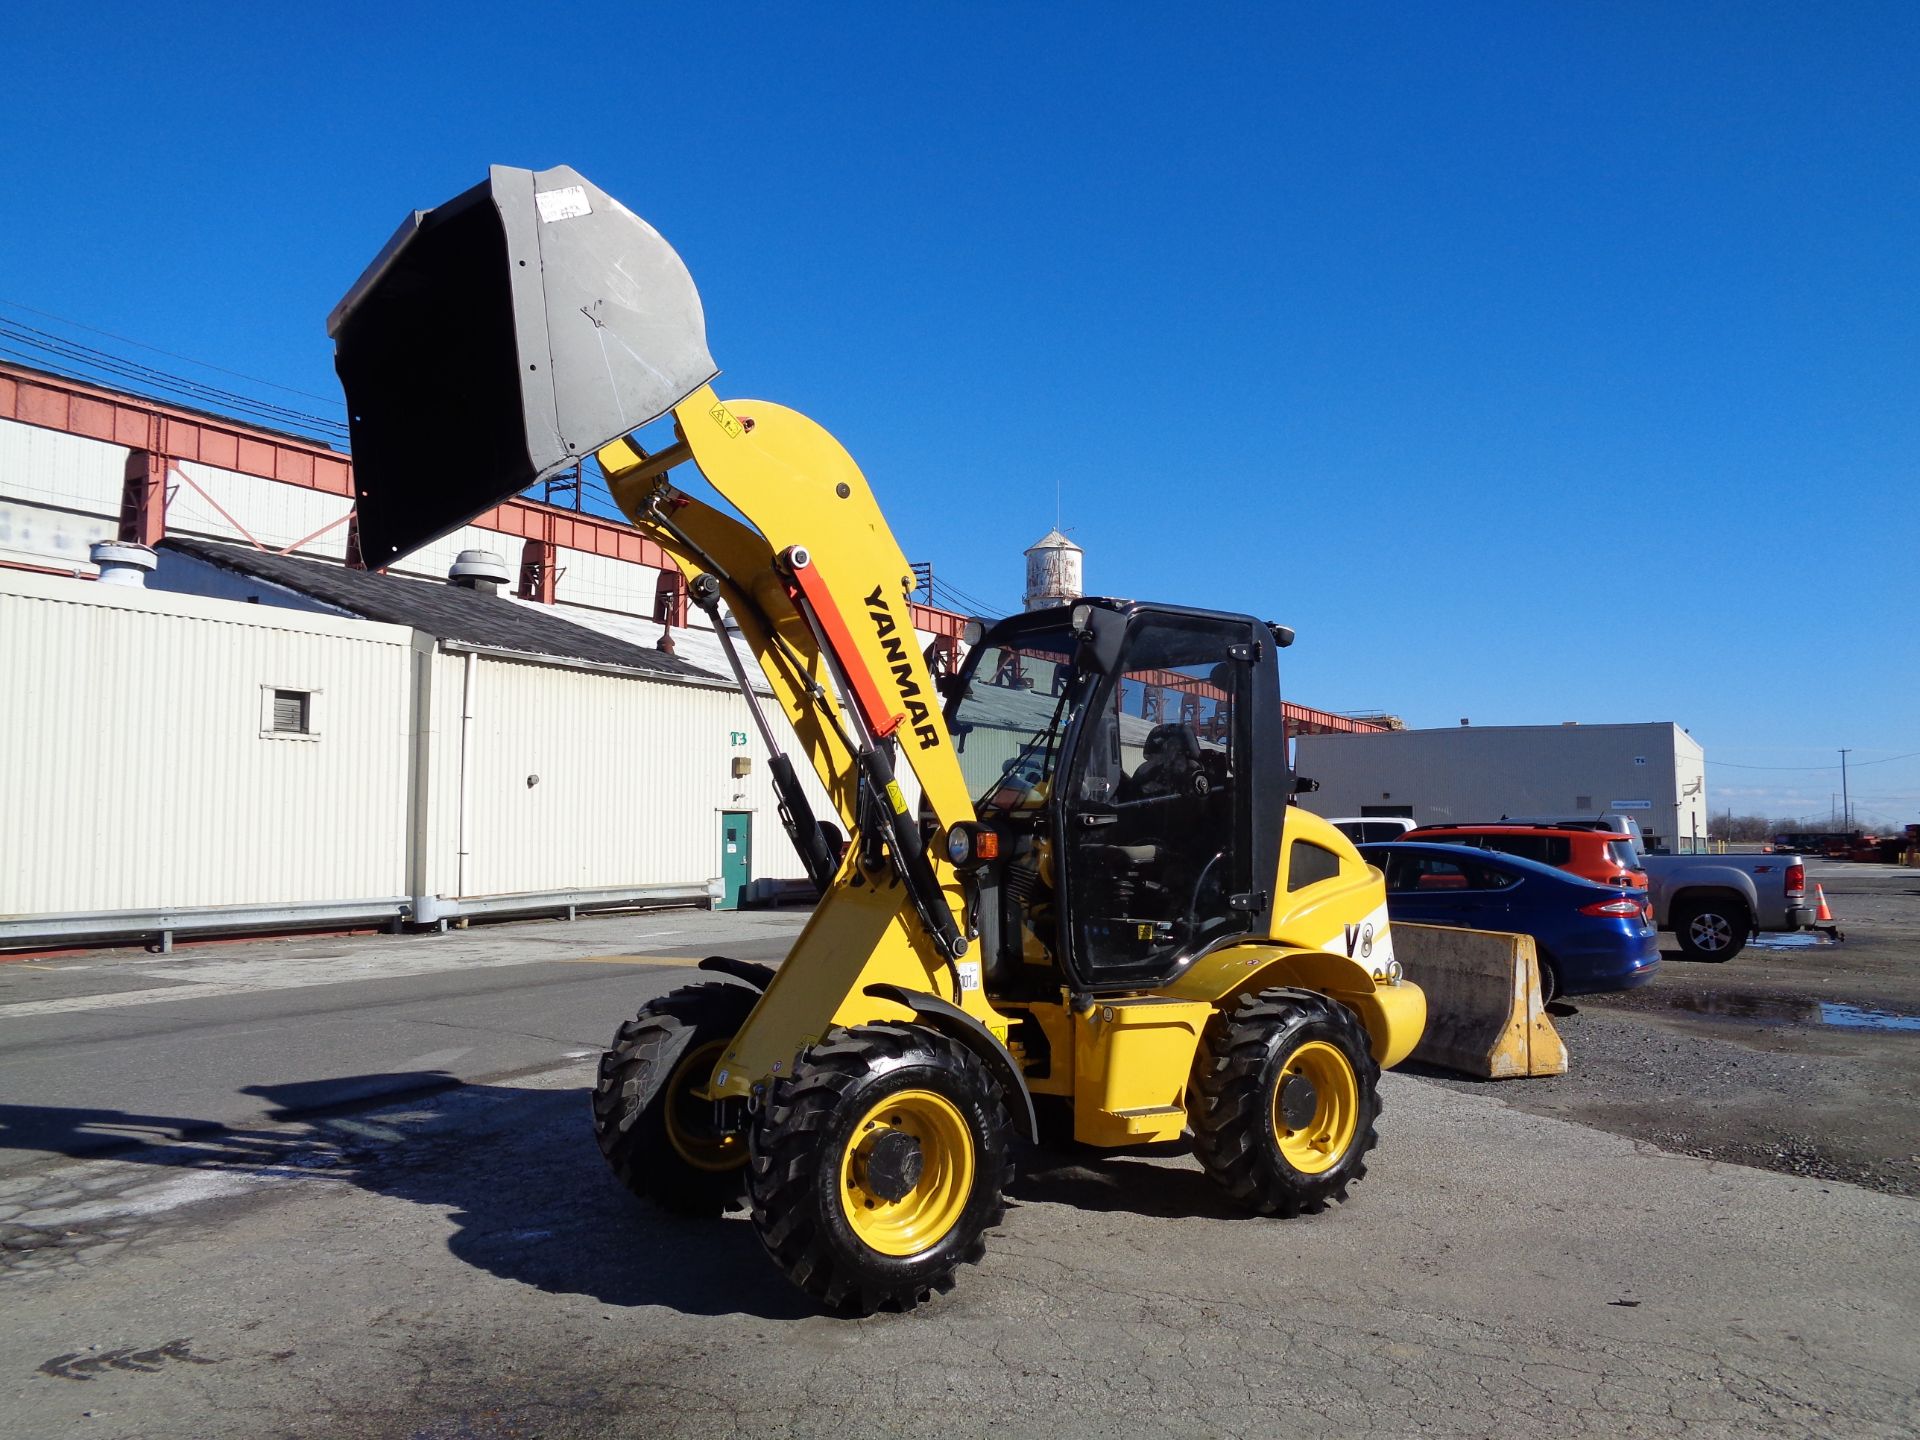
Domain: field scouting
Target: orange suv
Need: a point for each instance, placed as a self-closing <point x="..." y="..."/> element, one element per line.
<point x="1600" y="855"/>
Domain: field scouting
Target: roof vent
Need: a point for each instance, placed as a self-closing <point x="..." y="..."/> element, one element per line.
<point x="480" y="570"/>
<point x="122" y="562"/>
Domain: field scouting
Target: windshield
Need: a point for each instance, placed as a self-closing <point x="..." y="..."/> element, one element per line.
<point x="1011" y="715"/>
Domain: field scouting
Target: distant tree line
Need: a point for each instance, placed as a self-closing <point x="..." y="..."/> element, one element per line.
<point x="1763" y="827"/>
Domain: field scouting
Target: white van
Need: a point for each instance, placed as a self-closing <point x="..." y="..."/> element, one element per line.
<point x="1371" y="829"/>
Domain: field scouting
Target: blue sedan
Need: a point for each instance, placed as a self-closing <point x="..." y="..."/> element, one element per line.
<point x="1590" y="937"/>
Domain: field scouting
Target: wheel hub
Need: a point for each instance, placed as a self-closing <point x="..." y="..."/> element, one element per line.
<point x="894" y="1164"/>
<point x="1711" y="932"/>
<point x="1299" y="1102"/>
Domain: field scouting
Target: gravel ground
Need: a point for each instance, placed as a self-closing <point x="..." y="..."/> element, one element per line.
<point x="1736" y="1062"/>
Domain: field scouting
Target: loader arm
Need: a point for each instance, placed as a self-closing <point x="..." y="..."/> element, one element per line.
<point x="817" y="588"/>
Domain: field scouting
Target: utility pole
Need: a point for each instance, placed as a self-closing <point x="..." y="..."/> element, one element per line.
<point x="1846" y="805"/>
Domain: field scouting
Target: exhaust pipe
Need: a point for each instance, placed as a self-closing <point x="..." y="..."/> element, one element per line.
<point x="499" y="339"/>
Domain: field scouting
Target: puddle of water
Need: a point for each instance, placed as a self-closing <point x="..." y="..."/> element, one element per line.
<point x="1853" y="1017"/>
<point x="1748" y="1007"/>
<point x="1781" y="1008"/>
<point x="1788" y="940"/>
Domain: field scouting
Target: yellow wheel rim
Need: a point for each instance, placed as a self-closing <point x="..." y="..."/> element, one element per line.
<point x="920" y="1218"/>
<point x="689" y="1117"/>
<point x="1315" y="1143"/>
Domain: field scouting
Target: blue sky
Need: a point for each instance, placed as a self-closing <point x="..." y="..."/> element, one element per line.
<point x="1535" y="362"/>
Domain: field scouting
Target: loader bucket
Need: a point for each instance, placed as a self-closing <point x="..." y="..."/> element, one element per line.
<point x="497" y="340"/>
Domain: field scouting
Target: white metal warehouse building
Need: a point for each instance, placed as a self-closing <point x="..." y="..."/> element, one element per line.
<point x="176" y="762"/>
<point x="1654" y="772"/>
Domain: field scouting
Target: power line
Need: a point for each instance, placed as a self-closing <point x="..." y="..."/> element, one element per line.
<point x="92" y="355"/>
<point x="1811" y="769"/>
<point x="170" y="354"/>
<point x="42" y="347"/>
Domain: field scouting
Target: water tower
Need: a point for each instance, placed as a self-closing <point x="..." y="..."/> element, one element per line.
<point x="1053" y="571"/>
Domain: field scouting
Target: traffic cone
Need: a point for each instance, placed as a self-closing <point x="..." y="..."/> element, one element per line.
<point x="1820" y="892"/>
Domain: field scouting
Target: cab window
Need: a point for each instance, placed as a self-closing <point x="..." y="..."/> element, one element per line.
<point x="1309" y="864"/>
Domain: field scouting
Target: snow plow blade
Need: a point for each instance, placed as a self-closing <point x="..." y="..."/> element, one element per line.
<point x="500" y="338"/>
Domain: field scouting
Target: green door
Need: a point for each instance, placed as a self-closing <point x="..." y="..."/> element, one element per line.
<point x="736" y="857"/>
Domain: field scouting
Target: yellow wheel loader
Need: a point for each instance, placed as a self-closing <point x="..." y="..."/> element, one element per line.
<point x="1101" y="903"/>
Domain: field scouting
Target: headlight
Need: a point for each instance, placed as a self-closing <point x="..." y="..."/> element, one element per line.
<point x="1080" y="618"/>
<point x="968" y="845"/>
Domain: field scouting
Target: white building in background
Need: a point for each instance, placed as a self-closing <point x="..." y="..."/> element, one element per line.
<point x="274" y="742"/>
<point x="1654" y="772"/>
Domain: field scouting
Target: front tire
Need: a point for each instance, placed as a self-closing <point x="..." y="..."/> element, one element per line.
<point x="1288" y="1094"/>
<point x="1712" y="930"/>
<point x="878" y="1166"/>
<point x="657" y="1135"/>
<point x="1549" y="976"/>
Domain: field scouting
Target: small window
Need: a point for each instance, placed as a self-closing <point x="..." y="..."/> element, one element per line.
<point x="292" y="712"/>
<point x="1310" y="864"/>
<point x="288" y="714"/>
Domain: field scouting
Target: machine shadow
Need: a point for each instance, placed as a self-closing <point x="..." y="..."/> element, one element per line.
<point x="1135" y="1181"/>
<point x="515" y="1170"/>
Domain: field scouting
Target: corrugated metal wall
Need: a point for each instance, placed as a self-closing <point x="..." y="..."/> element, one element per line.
<point x="133" y="770"/>
<point x="135" y="774"/>
<point x="583" y="780"/>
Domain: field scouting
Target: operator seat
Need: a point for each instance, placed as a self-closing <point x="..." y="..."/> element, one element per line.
<point x="1169" y="760"/>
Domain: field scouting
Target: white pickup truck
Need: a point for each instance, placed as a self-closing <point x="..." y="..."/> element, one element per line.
<point x="1712" y="903"/>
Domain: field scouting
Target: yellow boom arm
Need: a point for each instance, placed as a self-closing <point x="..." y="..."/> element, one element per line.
<point x="817" y="587"/>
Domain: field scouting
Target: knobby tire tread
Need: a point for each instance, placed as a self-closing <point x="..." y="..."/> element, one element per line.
<point x="795" y="1135"/>
<point x="1232" y="1127"/>
<point x="628" y="1104"/>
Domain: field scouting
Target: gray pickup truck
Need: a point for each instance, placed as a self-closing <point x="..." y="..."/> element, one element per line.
<point x="1713" y="902"/>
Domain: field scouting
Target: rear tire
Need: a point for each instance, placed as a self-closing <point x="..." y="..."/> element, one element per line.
<point x="1275" y="1144"/>
<point x="1712" y="929"/>
<point x="658" y="1138"/>
<point x="878" y="1166"/>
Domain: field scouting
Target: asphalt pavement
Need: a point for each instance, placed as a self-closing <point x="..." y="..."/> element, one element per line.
<point x="348" y="1188"/>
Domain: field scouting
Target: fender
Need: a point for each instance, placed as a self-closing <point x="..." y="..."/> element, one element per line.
<point x="952" y="1021"/>
<point x="751" y="971"/>
<point x="1394" y="1014"/>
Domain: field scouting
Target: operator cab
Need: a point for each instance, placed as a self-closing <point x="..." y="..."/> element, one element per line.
<point x="1131" y="759"/>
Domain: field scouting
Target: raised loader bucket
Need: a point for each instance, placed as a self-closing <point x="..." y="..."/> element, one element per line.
<point x="498" y="339"/>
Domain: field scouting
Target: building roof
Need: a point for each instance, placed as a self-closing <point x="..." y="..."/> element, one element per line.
<point x="446" y="612"/>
